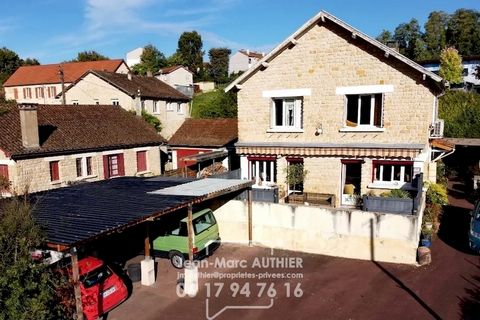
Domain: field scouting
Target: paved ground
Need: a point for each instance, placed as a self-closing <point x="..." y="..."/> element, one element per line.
<point x="331" y="288"/>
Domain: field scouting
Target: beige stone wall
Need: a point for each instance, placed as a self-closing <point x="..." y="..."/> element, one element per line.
<point x="9" y="94"/>
<point x="178" y="77"/>
<point x="34" y="174"/>
<point x="322" y="61"/>
<point x="171" y="119"/>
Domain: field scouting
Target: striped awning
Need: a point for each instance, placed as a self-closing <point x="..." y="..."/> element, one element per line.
<point x="406" y="153"/>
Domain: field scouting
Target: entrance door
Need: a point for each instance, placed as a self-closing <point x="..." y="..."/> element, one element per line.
<point x="351" y="180"/>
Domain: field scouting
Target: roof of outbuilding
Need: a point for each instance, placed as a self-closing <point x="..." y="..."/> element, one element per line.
<point x="323" y="18"/>
<point x="49" y="73"/>
<point x="149" y="87"/>
<point x="171" y="69"/>
<point x="205" y="133"/>
<point x="252" y="54"/>
<point x="67" y="129"/>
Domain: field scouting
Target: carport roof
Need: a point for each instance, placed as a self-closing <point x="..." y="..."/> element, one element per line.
<point x="81" y="213"/>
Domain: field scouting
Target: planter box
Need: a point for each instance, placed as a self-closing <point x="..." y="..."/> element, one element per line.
<point x="312" y="198"/>
<point x="391" y="205"/>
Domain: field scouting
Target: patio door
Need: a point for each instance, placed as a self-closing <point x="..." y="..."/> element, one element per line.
<point x="351" y="181"/>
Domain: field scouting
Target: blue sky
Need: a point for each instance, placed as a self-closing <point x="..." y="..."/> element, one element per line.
<point x="55" y="30"/>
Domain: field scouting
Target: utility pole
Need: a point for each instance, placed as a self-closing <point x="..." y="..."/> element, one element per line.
<point x="62" y="81"/>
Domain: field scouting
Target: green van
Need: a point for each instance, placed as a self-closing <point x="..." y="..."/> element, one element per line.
<point x="174" y="243"/>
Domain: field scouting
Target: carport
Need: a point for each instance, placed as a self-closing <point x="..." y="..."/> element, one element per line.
<point x="79" y="214"/>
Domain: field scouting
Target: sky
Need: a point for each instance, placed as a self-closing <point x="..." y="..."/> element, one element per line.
<point x="56" y="30"/>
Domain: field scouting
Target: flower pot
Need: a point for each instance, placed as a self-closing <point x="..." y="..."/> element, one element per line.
<point x="426" y="243"/>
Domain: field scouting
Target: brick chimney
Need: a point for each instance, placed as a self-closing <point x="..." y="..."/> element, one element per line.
<point x="29" y="125"/>
<point x="129" y="75"/>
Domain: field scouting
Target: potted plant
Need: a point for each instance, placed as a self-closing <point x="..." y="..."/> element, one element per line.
<point x="426" y="240"/>
<point x="295" y="176"/>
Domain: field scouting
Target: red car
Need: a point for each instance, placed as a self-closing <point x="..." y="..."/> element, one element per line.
<point x="102" y="289"/>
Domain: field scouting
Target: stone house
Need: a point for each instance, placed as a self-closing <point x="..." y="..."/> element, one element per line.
<point x="49" y="146"/>
<point x="242" y="60"/>
<point x="201" y="142"/>
<point x="178" y="77"/>
<point x="134" y="93"/>
<point x="42" y="84"/>
<point x="358" y="115"/>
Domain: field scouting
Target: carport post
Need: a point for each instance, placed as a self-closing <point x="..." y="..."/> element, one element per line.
<point x="76" y="283"/>
<point x="190" y="233"/>
<point x="250" y="227"/>
<point x="147" y="240"/>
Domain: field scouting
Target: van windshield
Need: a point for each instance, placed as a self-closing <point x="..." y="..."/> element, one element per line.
<point x="96" y="276"/>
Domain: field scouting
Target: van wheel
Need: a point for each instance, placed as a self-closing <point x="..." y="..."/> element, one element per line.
<point x="177" y="259"/>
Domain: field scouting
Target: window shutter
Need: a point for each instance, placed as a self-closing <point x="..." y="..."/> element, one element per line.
<point x="106" y="171"/>
<point x="141" y="161"/>
<point x="15" y="93"/>
<point x="4" y="170"/>
<point x="121" y="165"/>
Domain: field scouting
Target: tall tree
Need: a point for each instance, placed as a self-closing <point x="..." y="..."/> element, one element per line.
<point x="91" y="55"/>
<point x="219" y="64"/>
<point x="407" y="34"/>
<point x="435" y="33"/>
<point x="31" y="62"/>
<point x="384" y="36"/>
<point x="151" y="60"/>
<point x="451" y="65"/>
<point x="190" y="49"/>
<point x="464" y="31"/>
<point x="9" y="62"/>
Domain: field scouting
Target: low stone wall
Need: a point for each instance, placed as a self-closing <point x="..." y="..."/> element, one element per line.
<point x="336" y="232"/>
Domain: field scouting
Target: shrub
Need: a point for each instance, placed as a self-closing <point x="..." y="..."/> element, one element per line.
<point x="396" y="193"/>
<point x="152" y="120"/>
<point x="437" y="194"/>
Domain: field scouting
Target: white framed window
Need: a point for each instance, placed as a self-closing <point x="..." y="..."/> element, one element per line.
<point x="364" y="110"/>
<point x="142" y="105"/>
<point x="170" y="106"/>
<point x="286" y="114"/>
<point x="262" y="170"/>
<point x="392" y="171"/>
<point x="156" y="106"/>
<point x="96" y="101"/>
<point x="115" y="102"/>
<point x="75" y="102"/>
<point x="84" y="167"/>
<point x="179" y="107"/>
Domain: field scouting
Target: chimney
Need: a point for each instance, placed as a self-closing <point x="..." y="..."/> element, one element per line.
<point x="248" y="52"/>
<point x="129" y="75"/>
<point x="29" y="125"/>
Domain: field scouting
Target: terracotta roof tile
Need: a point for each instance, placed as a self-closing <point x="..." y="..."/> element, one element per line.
<point x="205" y="133"/>
<point x="48" y="73"/>
<point x="66" y="129"/>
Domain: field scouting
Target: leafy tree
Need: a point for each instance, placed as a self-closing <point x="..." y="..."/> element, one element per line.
<point x="384" y="36"/>
<point x="91" y="55"/>
<point x="215" y="104"/>
<point x="190" y="49"/>
<point x="463" y="31"/>
<point x="26" y="288"/>
<point x="435" y="33"/>
<point x="407" y="34"/>
<point x="152" y="120"/>
<point x="219" y="58"/>
<point x="174" y="60"/>
<point x="31" y="62"/>
<point x="151" y="60"/>
<point x="9" y="62"/>
<point x="451" y="65"/>
<point x="461" y="112"/>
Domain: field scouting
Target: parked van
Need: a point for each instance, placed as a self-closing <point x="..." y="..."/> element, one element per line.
<point x="474" y="232"/>
<point x="174" y="243"/>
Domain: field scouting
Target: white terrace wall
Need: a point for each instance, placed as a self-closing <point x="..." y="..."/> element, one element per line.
<point x="335" y="232"/>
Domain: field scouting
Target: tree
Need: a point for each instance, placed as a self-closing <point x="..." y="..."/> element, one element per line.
<point x="406" y="34"/>
<point x="451" y="65"/>
<point x="190" y="49"/>
<point x="435" y="33"/>
<point x="9" y="62"/>
<point x="151" y="60"/>
<point x="219" y="58"/>
<point x="91" y="55"/>
<point x="463" y="31"/>
<point x="31" y="62"/>
<point x="215" y="104"/>
<point x="385" y="36"/>
<point x="26" y="288"/>
<point x="174" y="60"/>
<point x="461" y="112"/>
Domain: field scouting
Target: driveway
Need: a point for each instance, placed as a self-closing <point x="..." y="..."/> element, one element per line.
<point x="322" y="287"/>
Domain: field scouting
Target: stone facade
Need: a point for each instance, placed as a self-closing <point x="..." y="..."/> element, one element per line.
<point x="33" y="175"/>
<point x="324" y="61"/>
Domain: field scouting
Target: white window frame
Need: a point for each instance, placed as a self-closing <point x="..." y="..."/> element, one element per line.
<point x="392" y="183"/>
<point x="255" y="174"/>
<point x="179" y="108"/>
<point x="115" y="102"/>
<point x="75" y="102"/>
<point x="84" y="167"/>
<point x="170" y="106"/>
<point x="371" y="125"/>
<point x="297" y="115"/>
<point x="156" y="107"/>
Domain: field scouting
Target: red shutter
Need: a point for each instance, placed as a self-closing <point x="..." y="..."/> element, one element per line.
<point x="106" y="171"/>
<point x="121" y="165"/>
<point x="54" y="172"/>
<point x="141" y="161"/>
<point x="4" y="170"/>
<point x="15" y="93"/>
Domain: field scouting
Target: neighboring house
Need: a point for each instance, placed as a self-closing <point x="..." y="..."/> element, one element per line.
<point x="132" y="92"/>
<point x="134" y="57"/>
<point x="178" y="77"/>
<point x="358" y="115"/>
<point x="470" y="65"/>
<point x="199" y="142"/>
<point x="242" y="60"/>
<point x="49" y="146"/>
<point x="41" y="84"/>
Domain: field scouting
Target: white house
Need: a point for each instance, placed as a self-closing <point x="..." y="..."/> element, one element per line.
<point x="133" y="57"/>
<point x="178" y="77"/>
<point x="242" y="60"/>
